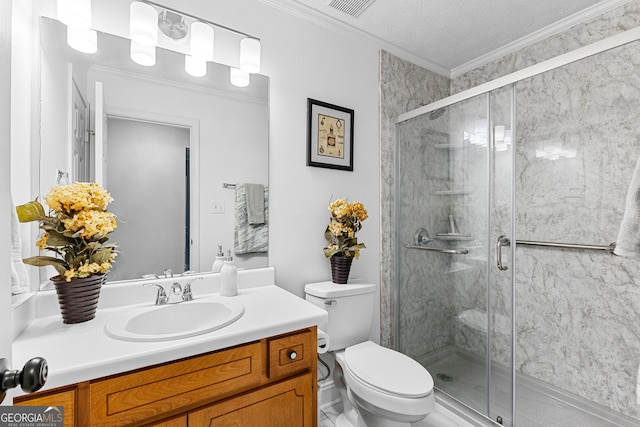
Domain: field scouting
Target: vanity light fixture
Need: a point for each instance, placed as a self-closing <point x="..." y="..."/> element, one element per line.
<point x="143" y="55"/>
<point x="76" y="15"/>
<point x="238" y="77"/>
<point x="250" y="55"/>
<point x="147" y="17"/>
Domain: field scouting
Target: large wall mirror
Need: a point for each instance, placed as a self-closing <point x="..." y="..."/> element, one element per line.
<point x="168" y="146"/>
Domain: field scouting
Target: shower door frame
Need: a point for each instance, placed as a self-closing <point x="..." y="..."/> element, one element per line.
<point x="485" y="88"/>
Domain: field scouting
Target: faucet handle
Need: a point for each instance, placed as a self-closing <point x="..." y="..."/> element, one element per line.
<point x="186" y="292"/>
<point x="162" y="297"/>
<point x="168" y="272"/>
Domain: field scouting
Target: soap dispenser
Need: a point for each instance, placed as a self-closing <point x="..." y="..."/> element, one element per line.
<point x="228" y="277"/>
<point x="219" y="261"/>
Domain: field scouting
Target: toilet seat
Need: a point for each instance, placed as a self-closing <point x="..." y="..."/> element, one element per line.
<point x="373" y="385"/>
<point x="388" y="371"/>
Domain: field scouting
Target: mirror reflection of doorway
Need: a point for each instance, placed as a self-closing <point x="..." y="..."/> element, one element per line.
<point x="79" y="136"/>
<point x="147" y="172"/>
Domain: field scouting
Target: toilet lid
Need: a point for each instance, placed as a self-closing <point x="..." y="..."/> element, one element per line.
<point x="388" y="370"/>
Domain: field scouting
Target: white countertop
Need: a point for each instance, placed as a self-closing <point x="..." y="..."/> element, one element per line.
<point x="83" y="351"/>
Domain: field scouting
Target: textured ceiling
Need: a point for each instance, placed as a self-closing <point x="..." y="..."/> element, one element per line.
<point x="452" y="33"/>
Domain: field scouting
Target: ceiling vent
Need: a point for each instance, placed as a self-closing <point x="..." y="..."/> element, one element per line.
<point x="350" y="7"/>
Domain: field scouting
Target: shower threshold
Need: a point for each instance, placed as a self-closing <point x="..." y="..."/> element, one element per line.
<point x="461" y="375"/>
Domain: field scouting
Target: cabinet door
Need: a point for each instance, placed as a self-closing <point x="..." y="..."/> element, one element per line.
<point x="63" y="397"/>
<point x="285" y="404"/>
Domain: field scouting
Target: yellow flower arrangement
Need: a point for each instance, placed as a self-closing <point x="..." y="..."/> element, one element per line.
<point x="76" y="230"/>
<point x="346" y="220"/>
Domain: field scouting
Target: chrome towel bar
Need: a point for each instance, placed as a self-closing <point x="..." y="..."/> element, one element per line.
<point x="608" y="248"/>
<point x="504" y="241"/>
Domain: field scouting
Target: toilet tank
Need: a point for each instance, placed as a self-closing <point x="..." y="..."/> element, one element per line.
<point x="350" y="309"/>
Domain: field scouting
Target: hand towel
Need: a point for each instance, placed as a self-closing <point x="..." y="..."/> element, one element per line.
<point x="250" y="238"/>
<point x="19" y="275"/>
<point x="255" y="203"/>
<point x="628" y="242"/>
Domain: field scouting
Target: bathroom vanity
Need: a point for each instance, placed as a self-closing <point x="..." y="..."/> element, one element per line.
<point x="259" y="370"/>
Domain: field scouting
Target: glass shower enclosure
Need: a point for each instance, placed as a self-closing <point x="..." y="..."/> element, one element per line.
<point x="507" y="289"/>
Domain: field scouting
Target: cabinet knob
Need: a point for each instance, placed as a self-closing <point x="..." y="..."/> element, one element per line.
<point x="293" y="355"/>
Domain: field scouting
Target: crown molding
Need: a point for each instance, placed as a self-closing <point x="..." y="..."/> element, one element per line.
<point x="336" y="26"/>
<point x="313" y="16"/>
<point x="536" y="36"/>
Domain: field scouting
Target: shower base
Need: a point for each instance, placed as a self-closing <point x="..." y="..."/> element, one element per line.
<point x="462" y="376"/>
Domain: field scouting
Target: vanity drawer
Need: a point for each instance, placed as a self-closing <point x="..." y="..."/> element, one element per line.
<point x="180" y="385"/>
<point x="289" y="354"/>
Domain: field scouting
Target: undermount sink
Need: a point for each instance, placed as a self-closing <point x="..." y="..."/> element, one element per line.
<point x="175" y="321"/>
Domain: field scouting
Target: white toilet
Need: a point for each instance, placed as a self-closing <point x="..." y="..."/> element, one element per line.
<point x="379" y="387"/>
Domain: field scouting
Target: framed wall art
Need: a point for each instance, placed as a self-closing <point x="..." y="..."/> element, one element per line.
<point x="329" y="136"/>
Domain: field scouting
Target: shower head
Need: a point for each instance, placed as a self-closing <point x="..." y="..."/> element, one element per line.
<point x="436" y="113"/>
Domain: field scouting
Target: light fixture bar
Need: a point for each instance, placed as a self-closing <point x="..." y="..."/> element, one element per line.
<point x="200" y="19"/>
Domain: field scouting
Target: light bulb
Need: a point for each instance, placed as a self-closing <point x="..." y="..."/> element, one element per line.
<point x="82" y="40"/>
<point x="143" y="55"/>
<point x="238" y="77"/>
<point x="143" y="23"/>
<point x="195" y="66"/>
<point x="250" y="55"/>
<point x="75" y="13"/>
<point x="201" y="45"/>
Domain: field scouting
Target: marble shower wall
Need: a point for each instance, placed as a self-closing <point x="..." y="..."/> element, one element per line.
<point x="578" y="311"/>
<point x="403" y="87"/>
<point x="618" y="20"/>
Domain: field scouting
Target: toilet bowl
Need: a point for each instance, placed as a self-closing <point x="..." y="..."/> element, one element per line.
<point x="379" y="387"/>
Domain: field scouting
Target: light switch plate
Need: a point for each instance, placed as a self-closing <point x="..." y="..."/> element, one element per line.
<point x="217" y="206"/>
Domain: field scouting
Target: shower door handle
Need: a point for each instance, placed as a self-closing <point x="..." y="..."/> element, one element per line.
<point x="502" y="241"/>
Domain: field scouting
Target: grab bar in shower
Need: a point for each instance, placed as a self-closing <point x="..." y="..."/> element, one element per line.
<point x="504" y="241"/>
<point x="608" y="248"/>
<point x="440" y="250"/>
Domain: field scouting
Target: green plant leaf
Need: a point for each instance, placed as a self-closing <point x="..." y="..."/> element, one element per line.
<point x="101" y="255"/>
<point x="57" y="239"/>
<point x="40" y="261"/>
<point x="31" y="211"/>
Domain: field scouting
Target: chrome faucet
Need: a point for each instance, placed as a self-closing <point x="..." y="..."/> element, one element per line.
<point x="176" y="289"/>
<point x="186" y="292"/>
<point x="162" y="297"/>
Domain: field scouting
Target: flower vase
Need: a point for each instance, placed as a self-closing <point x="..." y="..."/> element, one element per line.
<point x="340" y="268"/>
<point x="78" y="299"/>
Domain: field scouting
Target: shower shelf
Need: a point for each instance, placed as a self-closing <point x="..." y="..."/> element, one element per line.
<point x="459" y="192"/>
<point x="460" y="251"/>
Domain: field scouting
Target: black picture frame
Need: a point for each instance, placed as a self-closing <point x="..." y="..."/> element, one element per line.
<point x="329" y="136"/>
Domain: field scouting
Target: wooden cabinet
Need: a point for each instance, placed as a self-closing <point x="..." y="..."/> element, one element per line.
<point x="271" y="382"/>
